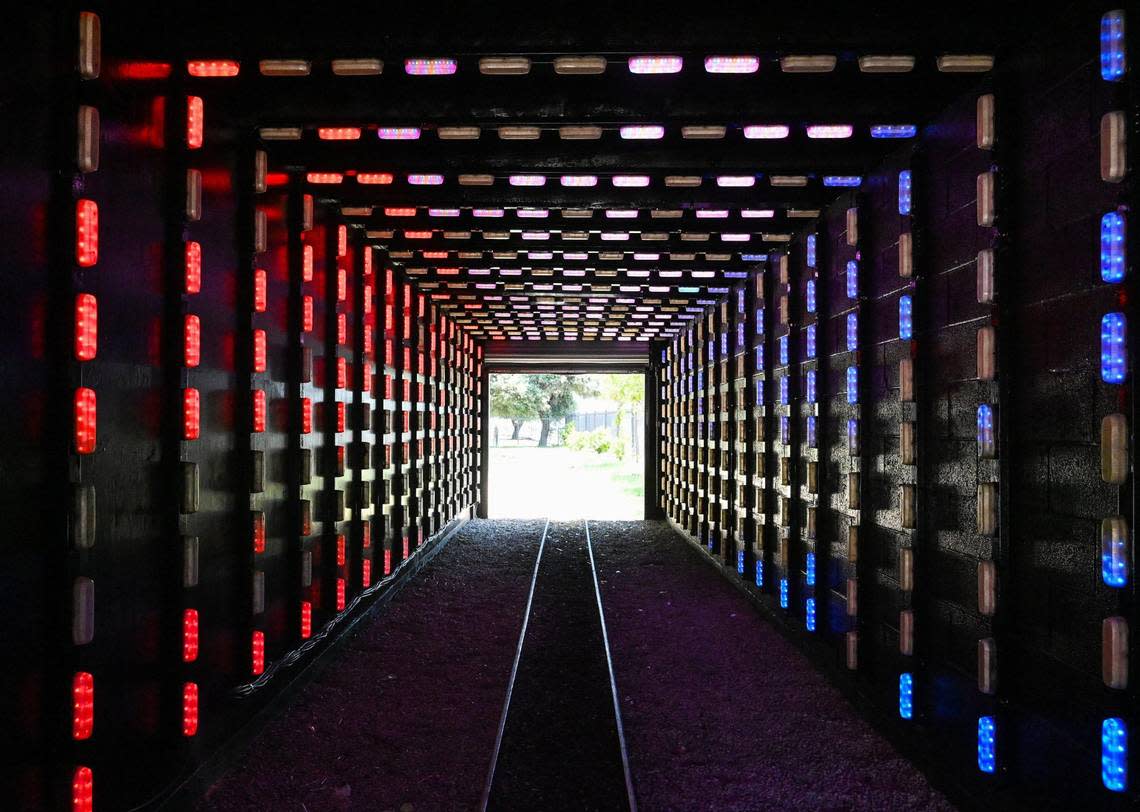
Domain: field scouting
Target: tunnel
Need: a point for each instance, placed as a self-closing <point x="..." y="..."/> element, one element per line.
<point x="872" y="262"/>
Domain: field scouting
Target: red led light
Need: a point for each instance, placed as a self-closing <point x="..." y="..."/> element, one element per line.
<point x="417" y="235"/>
<point x="341" y="284"/>
<point x="387" y="562"/>
<point x="340" y="413"/>
<point x="368" y="342"/>
<point x="86" y="232"/>
<point x="366" y="573"/>
<point x="141" y="70"/>
<point x="191" y="414"/>
<point x="259" y="351"/>
<point x="374" y="178"/>
<point x="82" y="705"/>
<point x="259" y="532"/>
<point x="85" y="434"/>
<point x="192" y="341"/>
<point x="306" y="620"/>
<point x="341" y="544"/>
<point x="259" y="410"/>
<point x="324" y="177"/>
<point x="340" y="590"/>
<point x="82" y="790"/>
<point x="433" y="254"/>
<point x="338" y="133"/>
<point x="257" y="649"/>
<point x="307" y="264"/>
<point x="86" y="326"/>
<point x="366" y="535"/>
<point x="189" y="708"/>
<point x="213" y="68"/>
<point x="401" y="211"/>
<point x="407" y="541"/>
<point x="307" y="314"/>
<point x="189" y="635"/>
<point x="194" y="121"/>
<point x="260" y="290"/>
<point x="306" y="416"/>
<point x="277" y="179"/>
<point x="341" y="240"/>
<point x="193" y="267"/>
<point x="341" y="373"/>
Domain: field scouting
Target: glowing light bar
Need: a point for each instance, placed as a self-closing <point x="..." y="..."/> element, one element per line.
<point x="425" y="180"/>
<point x="783" y="593"/>
<point x="192" y="341"/>
<point x="621" y="214"/>
<point x="86" y="233"/>
<point x="257" y="653"/>
<point x="579" y="180"/>
<point x="194" y="122"/>
<point x="753" y="257"/>
<point x="1112" y="63"/>
<point x="1113" y="353"/>
<point x="398" y="133"/>
<point x="487" y="212"/>
<point x="259" y="410"/>
<point x="443" y="212"/>
<point x="260" y="290"/>
<point x="400" y="211"/>
<point x="212" y="68"/>
<point x="189" y="635"/>
<point x="757" y="214"/>
<point x="732" y="64"/>
<point x="338" y="133"/>
<point x="842" y="180"/>
<point x="324" y="177"/>
<point x="809" y="574"/>
<point x="783" y="342"/>
<point x="85" y="420"/>
<point x="630" y="181"/>
<point x="1114" y="754"/>
<point x="82" y="790"/>
<point x="417" y="235"/>
<point x="193" y="277"/>
<point x="904" y="191"/>
<point x="852" y="279"/>
<point x="906" y="696"/>
<point x="810" y="300"/>
<point x="766" y="132"/>
<point x="830" y="131"/>
<point x="852" y="384"/>
<point x="735" y="181"/>
<point x="1114" y="551"/>
<point x="527" y="180"/>
<point x="86" y="326"/>
<point x="642" y="132"/>
<point x="809" y="386"/>
<point x="809" y="614"/>
<point x="430" y="67"/>
<point x="532" y="214"/>
<point x="987" y="741"/>
<point x="259" y="350"/>
<point x="1112" y="247"/>
<point x="711" y="214"/>
<point x="987" y="440"/>
<point x="893" y="130"/>
<point x="374" y="178"/>
<point x="615" y="236"/>
<point x="727" y="237"/>
<point x="191" y="414"/>
<point x="82" y="706"/>
<point x="655" y="64"/>
<point x="811" y="241"/>
<point x="189" y="709"/>
<point x="852" y="332"/>
<point x="906" y="322"/>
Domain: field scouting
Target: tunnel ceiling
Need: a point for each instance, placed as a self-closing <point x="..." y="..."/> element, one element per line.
<point x="565" y="176"/>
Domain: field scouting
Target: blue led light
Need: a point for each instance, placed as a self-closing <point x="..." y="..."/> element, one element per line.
<point x="663" y="356"/>
<point x="700" y="379"/>
<point x="986" y="441"/>
<point x="740" y="335"/>
<point x="759" y="321"/>
<point x="740" y="561"/>
<point x="893" y="130"/>
<point x="759" y="356"/>
<point x="1114" y="754"/>
<point x="1112" y="247"/>
<point x="810" y="341"/>
<point x="811" y="250"/>
<point x="740" y="298"/>
<point x="904" y="192"/>
<point x="715" y="290"/>
<point x="810" y="385"/>
<point x="853" y="437"/>
<point x="759" y="573"/>
<point x="783" y="341"/>
<point x="987" y="739"/>
<point x="906" y="696"/>
<point x="783" y="593"/>
<point x="784" y="390"/>
<point x="785" y="428"/>
<point x="759" y="389"/>
<point x="811" y="296"/>
<point x="736" y="275"/>
<point x="724" y="344"/>
<point x="852" y="331"/>
<point x="852" y="385"/>
<point x="809" y="614"/>
<point x="689" y="290"/>
<point x="690" y="360"/>
<point x="812" y="441"/>
<point x="753" y="257"/>
<point x="906" y="322"/>
<point x="852" y="279"/>
<point x="809" y="564"/>
<point x="1112" y="46"/>
<point x="712" y="348"/>
<point x="1113" y="355"/>
<point x="842" y="180"/>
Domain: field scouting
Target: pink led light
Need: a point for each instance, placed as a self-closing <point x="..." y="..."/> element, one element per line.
<point x="540" y="255"/>
<point x="579" y="180"/>
<point x="533" y="214"/>
<point x="735" y="237"/>
<point x="487" y="212"/>
<point x="631" y="181"/>
<point x="732" y="64"/>
<point x="655" y="64"/>
<point x="647" y="257"/>
<point x="429" y="67"/>
<point x="755" y="214"/>
<point x="829" y="131"/>
<point x="642" y="132"/>
<point x="528" y="180"/>
<point x="766" y="131"/>
<point x="735" y="181"/>
<point x="536" y="235"/>
<point x="621" y="214"/>
<point x="443" y="212"/>
<point x="711" y="214"/>
<point x="615" y="236"/>
<point x="398" y="133"/>
<point x="425" y="180"/>
<point x="575" y="255"/>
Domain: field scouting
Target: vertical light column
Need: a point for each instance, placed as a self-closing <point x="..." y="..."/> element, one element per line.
<point x="852" y="421"/>
<point x="387" y="451"/>
<point x="759" y="418"/>
<point x="309" y="325"/>
<point x="363" y="443"/>
<point x="812" y="472"/>
<point x="787" y="402"/>
<point x="259" y="318"/>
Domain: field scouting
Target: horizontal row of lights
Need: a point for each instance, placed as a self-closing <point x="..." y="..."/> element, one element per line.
<point x="628" y="132"/>
<point x="612" y="214"/>
<point x="718" y="64"/>
<point x="583" y="181"/>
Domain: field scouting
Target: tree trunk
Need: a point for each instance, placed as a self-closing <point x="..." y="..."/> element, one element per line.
<point x="545" y="433"/>
<point x="517" y="424"/>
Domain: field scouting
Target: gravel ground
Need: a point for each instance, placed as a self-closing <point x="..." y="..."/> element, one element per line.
<point x="406" y="717"/>
<point x="720" y="711"/>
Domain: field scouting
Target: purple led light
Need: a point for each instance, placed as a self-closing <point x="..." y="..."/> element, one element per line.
<point x="757" y="214"/>
<point x="631" y="181"/>
<point x="642" y="132"/>
<point x="621" y="214"/>
<point x="487" y="212"/>
<point x="398" y="133"/>
<point x="528" y="180"/>
<point x="429" y="67"/>
<point x="536" y="235"/>
<point x="830" y="131"/>
<point x="766" y="131"/>
<point x="425" y="180"/>
<point x="655" y="64"/>
<point x="732" y="64"/>
<point x="533" y="214"/>
<point x="735" y="237"/>
<point x="443" y="212"/>
<point x="711" y="214"/>
<point x="579" y="180"/>
<point x="615" y="236"/>
<point x="735" y="181"/>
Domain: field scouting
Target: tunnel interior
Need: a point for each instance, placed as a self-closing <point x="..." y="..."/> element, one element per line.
<point x="874" y="265"/>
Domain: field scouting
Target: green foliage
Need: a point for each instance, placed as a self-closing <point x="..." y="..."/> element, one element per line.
<point x="537" y="397"/>
<point x="512" y="398"/>
<point x="598" y="441"/>
<point x="568" y="431"/>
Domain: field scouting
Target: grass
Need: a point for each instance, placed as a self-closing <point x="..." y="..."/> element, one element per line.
<point x="530" y="482"/>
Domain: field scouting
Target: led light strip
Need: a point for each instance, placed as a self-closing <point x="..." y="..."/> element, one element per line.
<point x="806" y="449"/>
<point x="857" y="408"/>
<point x="908" y="448"/>
<point x="259" y="319"/>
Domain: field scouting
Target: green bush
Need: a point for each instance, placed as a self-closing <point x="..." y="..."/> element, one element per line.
<point x="568" y="432"/>
<point x="598" y="441"/>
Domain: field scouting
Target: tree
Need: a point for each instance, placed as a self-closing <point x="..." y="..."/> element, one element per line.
<point x="557" y="395"/>
<point x="513" y="399"/>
